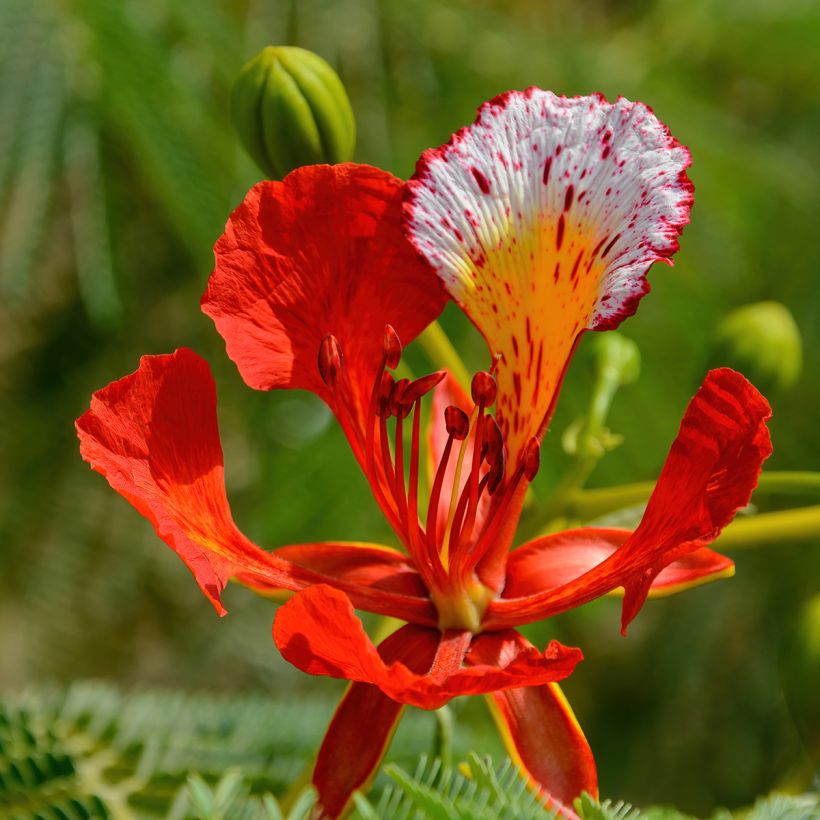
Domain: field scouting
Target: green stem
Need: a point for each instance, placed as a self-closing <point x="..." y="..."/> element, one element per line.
<point x="802" y="524"/>
<point x="440" y="351"/>
<point x="587" y="504"/>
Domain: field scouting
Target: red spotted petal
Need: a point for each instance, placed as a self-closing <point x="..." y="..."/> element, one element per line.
<point x="540" y="732"/>
<point x="366" y="565"/>
<point x="154" y="436"/>
<point x="710" y="473"/>
<point x="318" y="632"/>
<point x="550" y="562"/>
<point x="321" y="252"/>
<point x="542" y="219"/>
<point x="349" y="757"/>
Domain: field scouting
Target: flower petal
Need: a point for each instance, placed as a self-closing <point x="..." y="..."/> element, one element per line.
<point x="542" y="219"/>
<point x="318" y="632"/>
<point x="367" y="565"/>
<point x="349" y="757"/>
<point x="710" y="473"/>
<point x="560" y="558"/>
<point x="540" y="732"/>
<point x="153" y="434"/>
<point x="319" y="253"/>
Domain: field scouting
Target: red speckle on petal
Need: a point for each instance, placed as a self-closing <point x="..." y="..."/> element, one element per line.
<point x="559" y="236"/>
<point x="481" y="181"/>
<point x="547" y="168"/>
<point x="557" y="272"/>
<point x="568" y="197"/>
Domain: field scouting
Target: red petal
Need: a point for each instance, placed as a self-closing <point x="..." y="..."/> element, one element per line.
<point x="558" y="559"/>
<point x="542" y="219"/>
<point x="710" y="473"/>
<point x="367" y="565"/>
<point x="318" y="632"/>
<point x="350" y="756"/>
<point x="541" y="734"/>
<point x="321" y="252"/>
<point x="154" y="436"/>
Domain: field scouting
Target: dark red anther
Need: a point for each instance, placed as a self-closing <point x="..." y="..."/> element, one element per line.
<point x="420" y="387"/>
<point x="392" y="347"/>
<point x="532" y="458"/>
<point x="496" y="473"/>
<point x="385" y="394"/>
<point x="331" y="360"/>
<point x="493" y="439"/>
<point x="483" y="388"/>
<point x="456" y="422"/>
<point x="398" y="403"/>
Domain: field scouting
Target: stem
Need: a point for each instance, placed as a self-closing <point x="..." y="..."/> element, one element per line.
<point x="802" y="524"/>
<point x="443" y="740"/>
<point x="586" y="504"/>
<point x="440" y="351"/>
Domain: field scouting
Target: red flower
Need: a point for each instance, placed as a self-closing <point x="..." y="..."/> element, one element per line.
<point x="540" y="221"/>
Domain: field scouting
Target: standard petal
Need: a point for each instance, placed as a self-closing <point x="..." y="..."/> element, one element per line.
<point x="318" y="632"/>
<point x="349" y="756"/>
<point x="542" y="219"/>
<point x="153" y="434"/>
<point x="540" y="732"/>
<point x="319" y="253"/>
<point x="709" y="474"/>
<point x="560" y="558"/>
<point x="365" y="565"/>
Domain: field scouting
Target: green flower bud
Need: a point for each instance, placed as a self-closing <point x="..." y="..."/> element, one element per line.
<point x="761" y="341"/>
<point x="616" y="357"/>
<point x="291" y="109"/>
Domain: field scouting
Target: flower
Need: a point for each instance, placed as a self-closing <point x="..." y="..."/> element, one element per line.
<point x="540" y="221"/>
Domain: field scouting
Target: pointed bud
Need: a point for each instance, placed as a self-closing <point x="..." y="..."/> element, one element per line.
<point x="457" y="423"/>
<point x="483" y="388"/>
<point x="392" y="347"/>
<point x="531" y="459"/>
<point x="331" y="360"/>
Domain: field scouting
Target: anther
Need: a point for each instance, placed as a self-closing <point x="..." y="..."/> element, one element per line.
<point x="331" y="360"/>
<point x="496" y="473"/>
<point x="399" y="405"/>
<point x="392" y="347"/>
<point x="532" y="458"/>
<point x="483" y="388"/>
<point x="456" y="422"/>
<point x="493" y="440"/>
<point x="385" y="394"/>
<point x="421" y="386"/>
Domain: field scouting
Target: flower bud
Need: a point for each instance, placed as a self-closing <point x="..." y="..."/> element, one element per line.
<point x="762" y="341"/>
<point x="618" y="355"/>
<point x="291" y="109"/>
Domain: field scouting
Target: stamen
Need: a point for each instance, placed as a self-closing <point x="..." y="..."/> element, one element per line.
<point x="392" y="347"/>
<point x="331" y="360"/>
<point x="458" y="425"/>
<point x="483" y="389"/>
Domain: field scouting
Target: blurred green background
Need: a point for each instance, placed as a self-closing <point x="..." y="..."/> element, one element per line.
<point x="118" y="169"/>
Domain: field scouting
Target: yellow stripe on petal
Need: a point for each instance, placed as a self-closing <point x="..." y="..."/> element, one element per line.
<point x="542" y="219"/>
